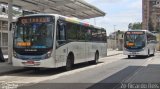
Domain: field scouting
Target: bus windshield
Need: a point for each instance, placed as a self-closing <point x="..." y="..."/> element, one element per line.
<point x="32" y="33"/>
<point x="134" y="40"/>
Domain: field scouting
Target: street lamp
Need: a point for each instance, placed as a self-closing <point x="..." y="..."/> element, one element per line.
<point x="115" y="36"/>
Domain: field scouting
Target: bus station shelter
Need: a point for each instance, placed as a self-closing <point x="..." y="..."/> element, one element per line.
<point x="71" y="8"/>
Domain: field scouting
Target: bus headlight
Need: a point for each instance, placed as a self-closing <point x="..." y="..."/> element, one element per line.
<point x="48" y="54"/>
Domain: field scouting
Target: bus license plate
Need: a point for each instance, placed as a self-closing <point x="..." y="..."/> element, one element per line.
<point x="133" y="53"/>
<point x="30" y="63"/>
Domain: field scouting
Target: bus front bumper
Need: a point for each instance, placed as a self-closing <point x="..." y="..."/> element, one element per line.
<point x="46" y="63"/>
<point x="134" y="53"/>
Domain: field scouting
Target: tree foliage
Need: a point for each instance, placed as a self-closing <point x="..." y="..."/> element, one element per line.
<point x="134" y="26"/>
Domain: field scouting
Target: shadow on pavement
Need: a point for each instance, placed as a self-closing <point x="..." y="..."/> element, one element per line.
<point x="133" y="77"/>
<point x="42" y="72"/>
<point x="108" y="83"/>
<point x="137" y="57"/>
<point x="120" y="80"/>
<point x="114" y="81"/>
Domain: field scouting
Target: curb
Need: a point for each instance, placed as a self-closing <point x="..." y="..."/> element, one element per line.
<point x="113" y="54"/>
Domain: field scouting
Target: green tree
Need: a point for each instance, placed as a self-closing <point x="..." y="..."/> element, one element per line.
<point x="134" y="26"/>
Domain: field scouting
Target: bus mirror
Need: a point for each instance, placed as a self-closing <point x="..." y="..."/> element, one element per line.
<point x="61" y="25"/>
<point x="12" y="26"/>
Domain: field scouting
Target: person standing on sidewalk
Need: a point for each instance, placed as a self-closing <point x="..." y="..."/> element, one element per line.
<point x="1" y="56"/>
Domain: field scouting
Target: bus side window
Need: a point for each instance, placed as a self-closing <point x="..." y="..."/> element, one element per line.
<point x="61" y="33"/>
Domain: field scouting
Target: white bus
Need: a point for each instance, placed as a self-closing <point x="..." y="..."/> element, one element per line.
<point x="50" y="41"/>
<point x="139" y="42"/>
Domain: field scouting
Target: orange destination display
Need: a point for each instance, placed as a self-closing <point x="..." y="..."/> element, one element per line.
<point x="24" y="44"/>
<point x="130" y="44"/>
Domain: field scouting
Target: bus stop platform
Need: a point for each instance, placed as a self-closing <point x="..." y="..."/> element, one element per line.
<point x="6" y="68"/>
<point x="111" y="52"/>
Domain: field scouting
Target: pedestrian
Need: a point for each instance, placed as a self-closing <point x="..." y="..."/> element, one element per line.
<point x="1" y="56"/>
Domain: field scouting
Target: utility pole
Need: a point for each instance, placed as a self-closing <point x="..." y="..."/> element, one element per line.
<point x="115" y="36"/>
<point x="159" y="39"/>
<point x="95" y="21"/>
<point x="10" y="4"/>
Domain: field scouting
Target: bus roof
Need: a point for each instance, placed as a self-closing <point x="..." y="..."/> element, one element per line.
<point x="138" y="30"/>
<point x="68" y="19"/>
<point x="141" y="30"/>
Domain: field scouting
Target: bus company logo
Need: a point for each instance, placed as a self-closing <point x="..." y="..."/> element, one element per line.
<point x="30" y="50"/>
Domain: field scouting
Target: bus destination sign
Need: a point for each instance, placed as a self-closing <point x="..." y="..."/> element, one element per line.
<point x="136" y="32"/>
<point x="27" y="20"/>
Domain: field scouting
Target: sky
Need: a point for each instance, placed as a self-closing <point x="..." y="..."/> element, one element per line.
<point x="119" y="13"/>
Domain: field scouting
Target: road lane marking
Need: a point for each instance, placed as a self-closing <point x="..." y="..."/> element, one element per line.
<point x="131" y="77"/>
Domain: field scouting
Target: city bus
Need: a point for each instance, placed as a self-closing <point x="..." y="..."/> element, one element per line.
<point x="51" y="41"/>
<point x="139" y="42"/>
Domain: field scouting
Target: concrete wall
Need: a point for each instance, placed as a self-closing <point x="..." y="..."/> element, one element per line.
<point x="112" y="44"/>
<point x="158" y="44"/>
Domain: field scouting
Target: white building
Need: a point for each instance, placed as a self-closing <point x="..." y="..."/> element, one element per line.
<point x="4" y="33"/>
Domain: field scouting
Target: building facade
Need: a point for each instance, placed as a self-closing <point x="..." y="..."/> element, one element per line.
<point x="151" y="15"/>
<point x="4" y="34"/>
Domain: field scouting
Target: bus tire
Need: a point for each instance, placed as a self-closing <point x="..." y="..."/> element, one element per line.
<point x="129" y="56"/>
<point x="153" y="52"/>
<point x="69" y="62"/>
<point x="148" y="53"/>
<point x="96" y="58"/>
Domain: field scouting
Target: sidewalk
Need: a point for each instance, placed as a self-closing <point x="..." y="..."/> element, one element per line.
<point x="6" y="68"/>
<point x="111" y="52"/>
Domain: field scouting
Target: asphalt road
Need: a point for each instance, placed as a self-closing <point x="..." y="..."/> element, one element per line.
<point x="110" y="73"/>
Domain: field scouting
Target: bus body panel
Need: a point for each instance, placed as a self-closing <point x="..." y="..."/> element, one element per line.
<point x="77" y="48"/>
<point x="83" y="52"/>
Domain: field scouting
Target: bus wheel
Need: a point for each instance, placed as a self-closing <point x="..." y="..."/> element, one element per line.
<point x="129" y="56"/>
<point x="96" y="58"/>
<point x="153" y="52"/>
<point x="148" y="53"/>
<point x="69" y="63"/>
